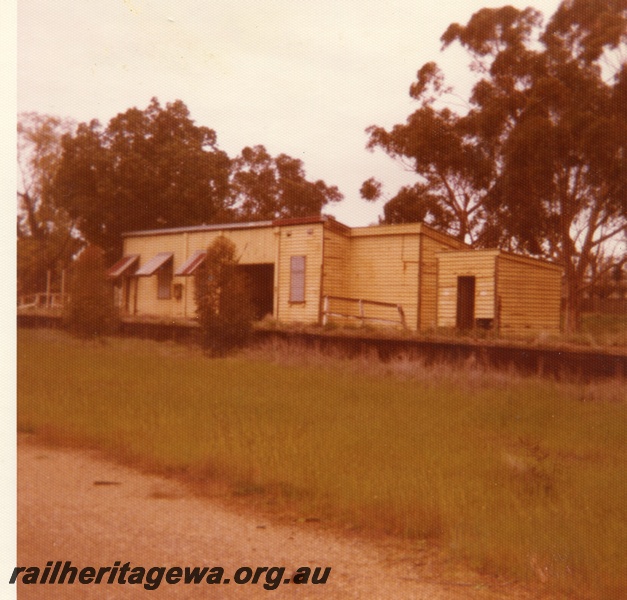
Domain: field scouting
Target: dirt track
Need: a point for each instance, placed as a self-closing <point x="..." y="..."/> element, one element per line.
<point x="74" y="505"/>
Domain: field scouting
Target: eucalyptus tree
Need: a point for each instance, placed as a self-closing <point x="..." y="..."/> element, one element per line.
<point x="46" y="239"/>
<point x="454" y="172"/>
<point x="539" y="157"/>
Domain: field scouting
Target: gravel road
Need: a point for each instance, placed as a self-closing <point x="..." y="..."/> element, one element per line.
<point x="74" y="505"/>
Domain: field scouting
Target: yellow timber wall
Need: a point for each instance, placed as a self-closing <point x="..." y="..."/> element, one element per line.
<point x="143" y="290"/>
<point x="431" y="243"/>
<point x="254" y="246"/>
<point x="410" y="265"/>
<point x="336" y="265"/>
<point x="474" y="263"/>
<point x="398" y="264"/>
<point x="529" y="294"/>
<point x="518" y="293"/>
<point x="384" y="268"/>
<point x="299" y="240"/>
<point x="394" y="264"/>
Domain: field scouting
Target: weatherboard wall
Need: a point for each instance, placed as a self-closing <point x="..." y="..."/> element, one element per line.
<point x="514" y="294"/>
<point x="305" y="240"/>
<point x="336" y="250"/>
<point x="529" y="294"/>
<point x="254" y="246"/>
<point x="431" y="243"/>
<point x="409" y="265"/>
<point x="384" y="268"/>
<point x="145" y="299"/>
<point x="479" y="264"/>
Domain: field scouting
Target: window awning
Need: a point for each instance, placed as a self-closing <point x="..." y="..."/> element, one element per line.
<point x="123" y="266"/>
<point x="154" y="264"/>
<point x="192" y="263"/>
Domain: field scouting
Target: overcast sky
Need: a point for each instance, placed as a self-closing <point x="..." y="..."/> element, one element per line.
<point x="301" y="78"/>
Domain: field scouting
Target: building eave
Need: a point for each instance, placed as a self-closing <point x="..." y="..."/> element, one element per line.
<point x="195" y="228"/>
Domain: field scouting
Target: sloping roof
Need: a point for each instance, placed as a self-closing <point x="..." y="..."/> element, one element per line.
<point x="154" y="264"/>
<point x="530" y="260"/>
<point x="328" y="220"/>
<point x="191" y="264"/>
<point x="194" y="228"/>
<point x="123" y="265"/>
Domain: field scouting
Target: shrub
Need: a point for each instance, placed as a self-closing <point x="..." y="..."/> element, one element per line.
<point x="90" y="311"/>
<point x="223" y="300"/>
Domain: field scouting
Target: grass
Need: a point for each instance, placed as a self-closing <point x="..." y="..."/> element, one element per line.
<point x="517" y="477"/>
<point x="604" y="330"/>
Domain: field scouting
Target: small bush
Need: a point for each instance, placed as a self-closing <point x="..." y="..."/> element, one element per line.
<point x="91" y="309"/>
<point x="224" y="307"/>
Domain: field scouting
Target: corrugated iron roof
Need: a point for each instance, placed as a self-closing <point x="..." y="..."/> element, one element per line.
<point x="123" y="265"/>
<point x="328" y="220"/>
<point x="154" y="264"/>
<point x="191" y="264"/>
<point x="192" y="228"/>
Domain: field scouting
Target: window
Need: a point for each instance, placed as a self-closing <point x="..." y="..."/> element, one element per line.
<point x="297" y="279"/>
<point x="164" y="281"/>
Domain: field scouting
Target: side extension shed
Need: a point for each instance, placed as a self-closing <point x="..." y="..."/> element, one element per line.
<point x="498" y="290"/>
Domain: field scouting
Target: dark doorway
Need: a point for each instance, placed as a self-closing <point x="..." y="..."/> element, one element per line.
<point x="465" y="302"/>
<point x="261" y="279"/>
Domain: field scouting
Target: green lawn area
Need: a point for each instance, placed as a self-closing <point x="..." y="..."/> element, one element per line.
<point x="519" y="477"/>
<point x="605" y="329"/>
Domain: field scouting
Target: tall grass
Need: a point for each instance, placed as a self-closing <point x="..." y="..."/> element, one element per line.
<point x="523" y="477"/>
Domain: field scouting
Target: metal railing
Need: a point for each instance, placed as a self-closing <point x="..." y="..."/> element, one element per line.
<point x="360" y="315"/>
<point x="42" y="300"/>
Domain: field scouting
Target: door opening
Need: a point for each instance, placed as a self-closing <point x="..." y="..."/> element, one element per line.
<point x="261" y="280"/>
<point x="465" y="302"/>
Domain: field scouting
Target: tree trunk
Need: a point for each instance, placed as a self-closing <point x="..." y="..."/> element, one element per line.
<point x="572" y="309"/>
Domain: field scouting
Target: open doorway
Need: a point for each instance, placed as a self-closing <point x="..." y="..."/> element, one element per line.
<point x="465" y="302"/>
<point x="261" y="279"/>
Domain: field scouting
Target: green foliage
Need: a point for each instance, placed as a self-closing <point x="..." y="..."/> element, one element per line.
<point x="264" y="187"/>
<point x="156" y="168"/>
<point x="91" y="310"/>
<point x="223" y="301"/>
<point x="45" y="232"/>
<point x="537" y="160"/>
<point x="147" y="169"/>
<point x="454" y="171"/>
<point x="37" y="257"/>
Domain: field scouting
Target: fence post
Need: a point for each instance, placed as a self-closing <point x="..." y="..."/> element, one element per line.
<point x="401" y="313"/>
<point x="48" y="285"/>
<point x="325" y="310"/>
<point x="361" y="312"/>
